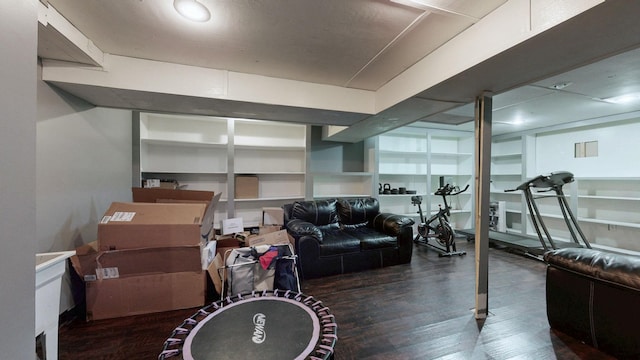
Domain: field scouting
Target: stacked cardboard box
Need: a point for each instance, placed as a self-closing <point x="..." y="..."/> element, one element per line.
<point x="148" y="256"/>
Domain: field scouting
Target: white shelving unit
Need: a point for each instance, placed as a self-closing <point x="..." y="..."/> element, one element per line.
<point x="609" y="201"/>
<point x="607" y="208"/>
<point x="341" y="184"/>
<point x="416" y="158"/>
<point x="206" y="153"/>
<point x="507" y="172"/>
<point x="451" y="157"/>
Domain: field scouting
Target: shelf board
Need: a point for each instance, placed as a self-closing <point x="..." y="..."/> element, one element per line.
<point x="329" y="196"/>
<point x="507" y="156"/>
<point x="450" y="155"/>
<point x="407" y="153"/>
<point x="440" y="174"/>
<point x="607" y="178"/>
<point x="596" y="221"/>
<point x="268" y="148"/>
<point x="214" y="173"/>
<point x="335" y="173"/>
<point x="402" y="174"/>
<point x="285" y="173"/>
<point x="274" y="198"/>
<point x="183" y="143"/>
<point x="610" y="222"/>
<point x="502" y="192"/>
<point x="399" y="195"/>
<point x="600" y="197"/>
<point x="506" y="174"/>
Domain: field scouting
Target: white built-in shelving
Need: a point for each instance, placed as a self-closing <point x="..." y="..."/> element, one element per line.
<point x="607" y="207"/>
<point x="206" y="153"/>
<point x="416" y="158"/>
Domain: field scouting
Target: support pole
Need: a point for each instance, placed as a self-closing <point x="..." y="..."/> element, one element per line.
<point x="483" y="110"/>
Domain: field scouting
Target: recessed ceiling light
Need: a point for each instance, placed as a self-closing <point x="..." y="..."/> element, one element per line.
<point x="560" y="85"/>
<point x="192" y="10"/>
<point x="624" y="99"/>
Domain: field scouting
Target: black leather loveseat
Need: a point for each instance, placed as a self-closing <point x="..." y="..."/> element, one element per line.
<point x="336" y="236"/>
<point x="594" y="296"/>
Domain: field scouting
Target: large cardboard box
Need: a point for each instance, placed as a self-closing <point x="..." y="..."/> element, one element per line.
<point x="272" y="216"/>
<point x="246" y="187"/>
<point x="152" y="195"/>
<point x="140" y="281"/>
<point x="159" y="195"/>
<point x="143" y="225"/>
<point x="272" y="238"/>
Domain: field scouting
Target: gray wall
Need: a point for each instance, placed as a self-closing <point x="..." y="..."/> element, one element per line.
<point x="18" y="42"/>
<point x="62" y="162"/>
<point x="83" y="163"/>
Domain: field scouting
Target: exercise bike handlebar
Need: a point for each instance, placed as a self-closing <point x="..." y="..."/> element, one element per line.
<point x="448" y="190"/>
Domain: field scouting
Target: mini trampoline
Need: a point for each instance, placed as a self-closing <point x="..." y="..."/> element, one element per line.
<point x="258" y="325"/>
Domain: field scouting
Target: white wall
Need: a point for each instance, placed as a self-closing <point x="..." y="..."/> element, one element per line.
<point x="83" y="164"/>
<point x="18" y="41"/>
<point x="618" y="157"/>
<point x="618" y="154"/>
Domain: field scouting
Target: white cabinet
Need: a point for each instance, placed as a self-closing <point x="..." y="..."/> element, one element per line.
<point x="206" y="153"/>
<point x="416" y="159"/>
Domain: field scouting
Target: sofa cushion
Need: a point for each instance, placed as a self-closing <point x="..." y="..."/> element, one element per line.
<point x="319" y="212"/>
<point x="336" y="241"/>
<point x="372" y="239"/>
<point x="357" y="211"/>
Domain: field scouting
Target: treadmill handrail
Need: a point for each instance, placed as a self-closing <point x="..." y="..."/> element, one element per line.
<point x="551" y="181"/>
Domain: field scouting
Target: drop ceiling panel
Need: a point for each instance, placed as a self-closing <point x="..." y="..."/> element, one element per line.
<point x="616" y="76"/>
<point x="552" y="110"/>
<point x="425" y="36"/>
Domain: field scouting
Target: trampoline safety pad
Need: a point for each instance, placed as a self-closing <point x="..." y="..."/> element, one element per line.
<point x="264" y="325"/>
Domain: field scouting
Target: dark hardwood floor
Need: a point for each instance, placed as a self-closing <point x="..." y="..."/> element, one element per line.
<point x="421" y="310"/>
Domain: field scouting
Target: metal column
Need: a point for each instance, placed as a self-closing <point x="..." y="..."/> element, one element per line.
<point x="483" y="110"/>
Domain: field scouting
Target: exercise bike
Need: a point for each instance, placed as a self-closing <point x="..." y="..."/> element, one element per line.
<point x="437" y="226"/>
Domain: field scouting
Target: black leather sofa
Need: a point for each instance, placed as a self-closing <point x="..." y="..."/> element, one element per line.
<point x="336" y="236"/>
<point x="594" y="296"/>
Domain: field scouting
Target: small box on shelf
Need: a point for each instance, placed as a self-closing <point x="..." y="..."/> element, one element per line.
<point x="246" y="187"/>
<point x="231" y="226"/>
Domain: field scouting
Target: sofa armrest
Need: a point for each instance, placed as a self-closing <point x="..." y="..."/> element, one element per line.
<point x="391" y="224"/>
<point x="618" y="269"/>
<point x="299" y="228"/>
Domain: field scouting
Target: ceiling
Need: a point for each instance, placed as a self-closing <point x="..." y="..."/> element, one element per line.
<point x="363" y="44"/>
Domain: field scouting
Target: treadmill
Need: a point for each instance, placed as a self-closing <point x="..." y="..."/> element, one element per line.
<point x="532" y="245"/>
